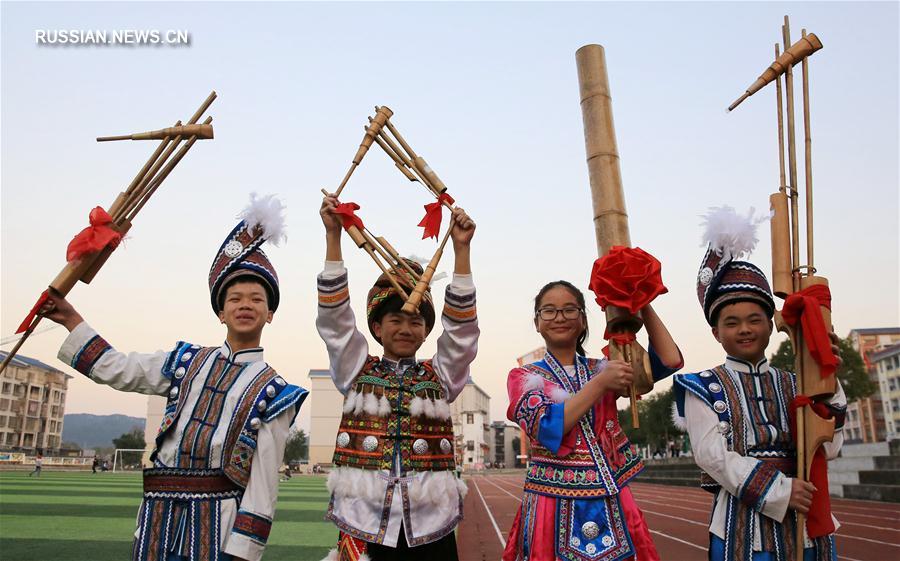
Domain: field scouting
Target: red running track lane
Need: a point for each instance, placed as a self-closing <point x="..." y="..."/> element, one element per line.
<point x="677" y="518"/>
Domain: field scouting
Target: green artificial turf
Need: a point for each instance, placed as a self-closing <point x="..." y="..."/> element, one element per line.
<point x="64" y="516"/>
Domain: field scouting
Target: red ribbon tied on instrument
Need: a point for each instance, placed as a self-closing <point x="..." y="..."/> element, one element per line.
<point x="804" y="307"/>
<point x="348" y="216"/>
<point x="622" y="339"/>
<point x="95" y="237"/>
<point x="818" y="519"/>
<point x="627" y="277"/>
<point x="431" y="222"/>
<point x="34" y="310"/>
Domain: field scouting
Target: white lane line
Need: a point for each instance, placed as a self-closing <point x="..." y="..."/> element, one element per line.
<point x="848" y="558"/>
<point x="494" y="522"/>
<point x="701" y="548"/>
<point x="869" y="526"/>
<point x="674" y="517"/>
<point x="502" y="489"/>
<point x="851" y="537"/>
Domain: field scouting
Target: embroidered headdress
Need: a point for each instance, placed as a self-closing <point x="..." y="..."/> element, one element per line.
<point x="383" y="290"/>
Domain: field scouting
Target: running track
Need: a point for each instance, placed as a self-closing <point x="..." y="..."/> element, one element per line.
<point x="677" y="517"/>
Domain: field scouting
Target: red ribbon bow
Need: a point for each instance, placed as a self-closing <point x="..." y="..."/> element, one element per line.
<point x="804" y="307"/>
<point x="627" y="277"/>
<point x="95" y="237"/>
<point x="818" y="519"/>
<point x="34" y="310"/>
<point x="348" y="217"/>
<point x="431" y="222"/>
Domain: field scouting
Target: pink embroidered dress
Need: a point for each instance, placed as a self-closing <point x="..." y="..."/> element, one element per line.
<point x="576" y="504"/>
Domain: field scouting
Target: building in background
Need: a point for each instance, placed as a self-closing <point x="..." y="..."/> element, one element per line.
<point x="503" y="448"/>
<point x="866" y="417"/>
<point x="326" y="405"/>
<point x="156" y="407"/>
<point x="524" y="444"/>
<point x="886" y="364"/>
<point x="32" y="406"/>
<point x="472" y="427"/>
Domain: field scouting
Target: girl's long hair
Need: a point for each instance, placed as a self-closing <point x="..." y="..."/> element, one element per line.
<point x="579" y="297"/>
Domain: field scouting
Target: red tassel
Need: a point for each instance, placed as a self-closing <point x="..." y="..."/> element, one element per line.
<point x="34" y="310"/>
<point x="348" y="217"/>
<point x="804" y="307"/>
<point x="621" y="338"/>
<point x="818" y="519"/>
<point x="431" y="222"/>
<point x="95" y="237"/>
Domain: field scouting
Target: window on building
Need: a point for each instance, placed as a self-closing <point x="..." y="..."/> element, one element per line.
<point x="7" y="388"/>
<point x="19" y="390"/>
<point x="895" y="404"/>
<point x="33" y="408"/>
<point x="4" y="404"/>
<point x="54" y="411"/>
<point x="52" y="426"/>
<point x="28" y="440"/>
<point x="35" y="392"/>
<point x="470" y="445"/>
<point x="2" y="420"/>
<point x="11" y="439"/>
<point x="470" y="418"/>
<point x="892" y="383"/>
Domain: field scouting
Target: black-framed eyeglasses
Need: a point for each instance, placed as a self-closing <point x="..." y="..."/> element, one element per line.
<point x="549" y="314"/>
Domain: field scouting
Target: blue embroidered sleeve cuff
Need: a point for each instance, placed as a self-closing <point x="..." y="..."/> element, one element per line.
<point x="657" y="368"/>
<point x="550" y="431"/>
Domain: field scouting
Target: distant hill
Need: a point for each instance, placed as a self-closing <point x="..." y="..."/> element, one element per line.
<point x="93" y="431"/>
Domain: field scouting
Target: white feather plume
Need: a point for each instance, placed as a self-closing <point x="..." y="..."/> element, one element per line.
<point x="677" y="420"/>
<point x="370" y="404"/>
<point x="441" y="409"/>
<point x="332" y="556"/>
<point x="416" y="407"/>
<point x="533" y="381"/>
<point x="350" y="401"/>
<point x="428" y="408"/>
<point x="384" y="407"/>
<point x="267" y="213"/>
<point x="731" y="235"/>
<point x="558" y="395"/>
<point x="358" y="403"/>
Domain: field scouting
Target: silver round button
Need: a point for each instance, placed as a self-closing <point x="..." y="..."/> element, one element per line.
<point x="186" y="357"/>
<point x="179" y="372"/>
<point x="233" y="248"/>
<point x="280" y="381"/>
<point x="575" y="541"/>
<point x="420" y="446"/>
<point x="705" y="374"/>
<point x="714" y="387"/>
<point x="173" y="393"/>
<point x="343" y="440"/>
<point x="254" y="423"/>
<point x="590" y="548"/>
<point x="719" y="406"/>
<point x="706" y="275"/>
<point x="446" y="447"/>
<point x="370" y="443"/>
<point x="724" y="427"/>
<point x="270" y="391"/>
<point x="261" y="406"/>
<point x="590" y="530"/>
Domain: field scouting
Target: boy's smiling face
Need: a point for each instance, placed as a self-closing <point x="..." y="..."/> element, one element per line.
<point x="401" y="334"/>
<point x="743" y="329"/>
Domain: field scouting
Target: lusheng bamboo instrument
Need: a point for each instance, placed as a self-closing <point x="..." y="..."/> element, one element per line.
<point x="382" y="131"/>
<point x="608" y="196"/>
<point x="130" y="201"/>
<point x="789" y="275"/>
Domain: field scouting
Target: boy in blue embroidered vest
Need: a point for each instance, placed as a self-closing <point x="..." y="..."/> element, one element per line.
<point x="577" y="505"/>
<point x="210" y="495"/>
<point x="736" y="414"/>
<point x="394" y="492"/>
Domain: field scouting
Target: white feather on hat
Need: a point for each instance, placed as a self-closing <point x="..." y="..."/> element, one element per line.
<point x="730" y="235"/>
<point x="267" y="214"/>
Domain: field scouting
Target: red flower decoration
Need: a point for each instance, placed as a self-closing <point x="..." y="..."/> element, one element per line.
<point x="627" y="277"/>
<point x="95" y="237"/>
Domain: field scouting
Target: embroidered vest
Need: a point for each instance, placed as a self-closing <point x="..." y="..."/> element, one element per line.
<point x="601" y="461"/>
<point x="388" y="414"/>
<point x="263" y="399"/>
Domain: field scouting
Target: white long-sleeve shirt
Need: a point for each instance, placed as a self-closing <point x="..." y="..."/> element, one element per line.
<point x="369" y="504"/>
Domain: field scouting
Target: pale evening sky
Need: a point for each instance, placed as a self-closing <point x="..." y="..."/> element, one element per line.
<point x="488" y="94"/>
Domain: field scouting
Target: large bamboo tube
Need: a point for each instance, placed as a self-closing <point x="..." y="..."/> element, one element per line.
<point x="607" y="194"/>
<point x="781" y="245"/>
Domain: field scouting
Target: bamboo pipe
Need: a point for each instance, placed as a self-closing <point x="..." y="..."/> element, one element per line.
<point x="415" y="298"/>
<point x="410" y="161"/>
<point x="382" y="114"/>
<point x="374" y="244"/>
<point x="359" y="238"/>
<point x="204" y="132"/>
<point x="632" y="394"/>
<point x="807" y="142"/>
<point x="792" y="165"/>
<point x="782" y="181"/>
<point x="782" y="266"/>
<point x="396" y="257"/>
<point x="399" y="137"/>
<point x="9" y="356"/>
<point x="398" y="161"/>
<point x="120" y="201"/>
<point x="791" y="56"/>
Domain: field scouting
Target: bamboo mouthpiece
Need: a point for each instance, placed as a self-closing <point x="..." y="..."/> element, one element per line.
<point x="798" y="51"/>
<point x="202" y="132"/>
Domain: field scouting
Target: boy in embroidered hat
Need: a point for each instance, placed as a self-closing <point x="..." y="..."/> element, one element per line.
<point x="210" y="495"/>
<point x="394" y="491"/>
<point x="737" y="414"/>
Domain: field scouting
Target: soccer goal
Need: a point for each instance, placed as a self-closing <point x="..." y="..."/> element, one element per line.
<point x="127" y="459"/>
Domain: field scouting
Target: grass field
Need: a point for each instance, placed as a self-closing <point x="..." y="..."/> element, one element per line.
<point x="66" y="516"/>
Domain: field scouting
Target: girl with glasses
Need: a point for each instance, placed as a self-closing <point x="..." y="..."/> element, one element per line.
<point x="576" y="503"/>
